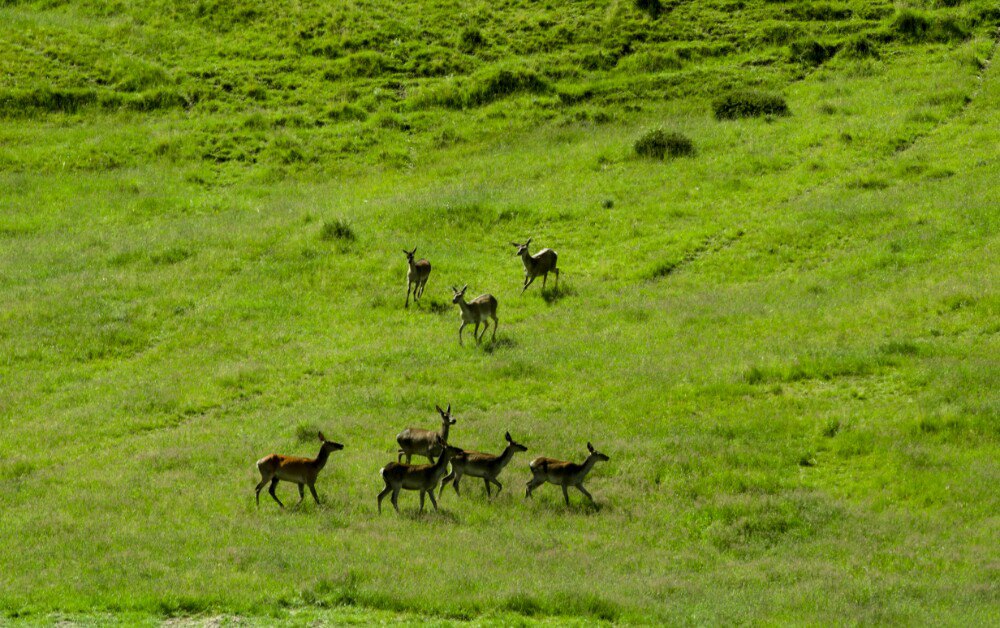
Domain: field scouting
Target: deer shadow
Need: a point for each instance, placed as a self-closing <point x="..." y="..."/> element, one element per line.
<point x="557" y="293"/>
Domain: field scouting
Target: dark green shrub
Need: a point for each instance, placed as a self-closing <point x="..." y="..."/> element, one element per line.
<point x="652" y="8"/>
<point x="748" y="104"/>
<point x="860" y="47"/>
<point x="811" y="52"/>
<point x="470" y="39"/>
<point x="915" y="27"/>
<point x="337" y="229"/>
<point x="659" y="144"/>
<point x="498" y="83"/>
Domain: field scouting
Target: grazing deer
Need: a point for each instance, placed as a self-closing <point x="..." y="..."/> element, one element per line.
<point x="480" y="465"/>
<point x="564" y="474"/>
<point x="415" y="441"/>
<point x="416" y="276"/>
<point x="476" y="311"/>
<point x="541" y="263"/>
<point x="417" y="477"/>
<point x="301" y="471"/>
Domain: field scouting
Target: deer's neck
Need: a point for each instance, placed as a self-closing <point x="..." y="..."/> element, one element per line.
<point x="588" y="464"/>
<point x="505" y="457"/>
<point x="445" y="426"/>
<point x="321" y="458"/>
<point x="441" y="465"/>
<point x="462" y="305"/>
<point x="528" y="260"/>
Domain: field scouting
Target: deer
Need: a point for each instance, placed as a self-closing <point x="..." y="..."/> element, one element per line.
<point x="417" y="477"/>
<point x="480" y="465"/>
<point x="416" y="276"/>
<point x="564" y="474"/>
<point x="541" y="263"/>
<point x="415" y="441"/>
<point x="476" y="311"/>
<point x="301" y="471"/>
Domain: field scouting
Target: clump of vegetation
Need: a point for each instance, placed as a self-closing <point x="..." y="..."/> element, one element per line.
<point x="652" y="8"/>
<point x="811" y="52"/>
<point x="659" y="144"/>
<point x="337" y="229"/>
<point x="916" y="27"/>
<point x="470" y="39"/>
<point x="860" y="47"/>
<point x="749" y="104"/>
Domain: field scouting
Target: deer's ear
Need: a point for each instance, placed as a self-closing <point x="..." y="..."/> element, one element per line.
<point x="465" y="287"/>
<point x="515" y="244"/>
<point x="527" y="242"/>
<point x="439" y="408"/>
<point x="449" y="408"/>
<point x="321" y="437"/>
<point x="590" y="448"/>
<point x="509" y="439"/>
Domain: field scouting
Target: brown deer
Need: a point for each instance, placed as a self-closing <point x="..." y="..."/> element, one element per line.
<point x="416" y="276"/>
<point x="564" y="474"/>
<point x="476" y="311"/>
<point x="417" y="477"/>
<point x="415" y="441"/>
<point x="480" y="465"/>
<point x="301" y="471"/>
<point x="541" y="263"/>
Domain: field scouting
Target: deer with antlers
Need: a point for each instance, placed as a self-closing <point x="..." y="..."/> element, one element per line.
<point x="564" y="474"/>
<point x="480" y="465"/>
<point x="416" y="276"/>
<point x="541" y="263"/>
<point x="415" y="441"/>
<point x="300" y="471"/>
<point x="476" y="311"/>
<point x="422" y="477"/>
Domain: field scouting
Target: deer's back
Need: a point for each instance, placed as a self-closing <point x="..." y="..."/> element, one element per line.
<point x="421" y="268"/>
<point x="485" y="303"/>
<point x="474" y="462"/>
<point x="545" y="260"/>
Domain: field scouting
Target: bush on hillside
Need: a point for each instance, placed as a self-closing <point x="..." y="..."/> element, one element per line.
<point x="470" y="39"/>
<point x="652" y="8"/>
<point x="811" y="52"/>
<point x="749" y="104"/>
<point x="659" y="144"/>
<point x="337" y="229"/>
<point x="916" y="27"/>
<point x="860" y="47"/>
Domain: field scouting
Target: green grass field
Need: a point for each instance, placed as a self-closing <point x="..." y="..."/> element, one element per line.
<point x="787" y="341"/>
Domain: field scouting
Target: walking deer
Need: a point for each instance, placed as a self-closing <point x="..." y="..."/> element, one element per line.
<point x="416" y="276"/>
<point x="476" y="311"/>
<point x="480" y="465"/>
<point x="541" y="263"/>
<point x="415" y="441"/>
<point x="301" y="471"/>
<point x="422" y="477"/>
<point x="564" y="474"/>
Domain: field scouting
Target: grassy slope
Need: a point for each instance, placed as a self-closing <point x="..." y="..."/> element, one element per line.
<point x="801" y="413"/>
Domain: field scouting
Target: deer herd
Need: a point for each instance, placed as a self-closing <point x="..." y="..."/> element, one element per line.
<point x="434" y="444"/>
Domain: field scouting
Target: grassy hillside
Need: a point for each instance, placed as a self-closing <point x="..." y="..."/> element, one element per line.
<point x="786" y="340"/>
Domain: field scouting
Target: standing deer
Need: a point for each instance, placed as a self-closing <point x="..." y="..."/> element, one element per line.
<point x="416" y="276"/>
<point x="415" y="441"/>
<point x="301" y="471"/>
<point x="564" y="474"/>
<point x="540" y="263"/>
<point x="476" y="311"/>
<point x="480" y="465"/>
<point x="418" y="477"/>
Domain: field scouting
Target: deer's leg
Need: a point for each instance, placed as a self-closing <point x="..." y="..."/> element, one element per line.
<point x="447" y="478"/>
<point x="556" y="271"/>
<point x="395" y="498"/>
<point x="260" y="485"/>
<point x="422" y="500"/>
<point x="409" y="457"/>
<point x="475" y="332"/>
<point x="580" y="488"/>
<point x="312" y="489"/>
<point x="409" y="284"/>
<point x="431" y="495"/>
<point x="458" y="478"/>
<point x="302" y="493"/>
<point x="545" y="278"/>
<point x="565" y="494"/>
<point x="399" y="455"/>
<point x="496" y="323"/>
<point x="486" y="325"/>
<point x="460" y="333"/>
<point x="527" y="282"/>
<point x="499" y="485"/>
<point x="534" y="483"/>
<point x="274" y="485"/>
